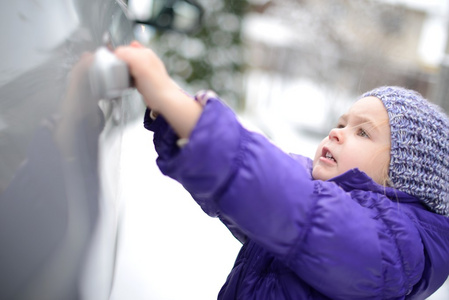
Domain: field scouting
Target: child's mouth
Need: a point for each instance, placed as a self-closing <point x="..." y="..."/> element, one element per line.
<point x="328" y="155"/>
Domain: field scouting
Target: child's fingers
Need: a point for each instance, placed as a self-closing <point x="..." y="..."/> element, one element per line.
<point x="134" y="51"/>
<point x="128" y="54"/>
<point x="136" y="44"/>
<point x="140" y="59"/>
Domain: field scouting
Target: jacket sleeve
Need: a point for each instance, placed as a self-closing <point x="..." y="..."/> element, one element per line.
<point x="346" y="245"/>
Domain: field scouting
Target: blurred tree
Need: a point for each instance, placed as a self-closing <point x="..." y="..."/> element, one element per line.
<point x="213" y="57"/>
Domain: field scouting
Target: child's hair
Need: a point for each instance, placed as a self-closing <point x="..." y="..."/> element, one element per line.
<point x="419" y="155"/>
<point x="385" y="180"/>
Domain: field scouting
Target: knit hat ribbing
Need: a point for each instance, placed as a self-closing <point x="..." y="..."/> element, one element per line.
<point x="419" y="162"/>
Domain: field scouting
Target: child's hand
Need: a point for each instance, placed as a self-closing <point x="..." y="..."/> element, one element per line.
<point x="151" y="77"/>
<point x="159" y="91"/>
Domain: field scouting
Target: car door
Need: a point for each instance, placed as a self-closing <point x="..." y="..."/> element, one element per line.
<point x="60" y="138"/>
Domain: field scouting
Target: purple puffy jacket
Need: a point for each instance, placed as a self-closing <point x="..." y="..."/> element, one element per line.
<point x="346" y="238"/>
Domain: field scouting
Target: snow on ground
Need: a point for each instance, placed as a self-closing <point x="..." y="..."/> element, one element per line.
<point x="169" y="249"/>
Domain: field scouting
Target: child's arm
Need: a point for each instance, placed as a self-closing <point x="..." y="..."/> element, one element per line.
<point x="160" y="92"/>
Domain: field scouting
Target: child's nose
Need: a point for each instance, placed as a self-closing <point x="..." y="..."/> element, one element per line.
<point x="336" y="135"/>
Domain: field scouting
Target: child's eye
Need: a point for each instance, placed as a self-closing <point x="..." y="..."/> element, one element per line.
<point x="363" y="133"/>
<point x="340" y="126"/>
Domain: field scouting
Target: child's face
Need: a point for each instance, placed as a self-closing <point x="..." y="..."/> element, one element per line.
<point x="361" y="140"/>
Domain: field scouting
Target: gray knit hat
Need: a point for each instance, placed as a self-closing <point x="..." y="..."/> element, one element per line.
<point x="419" y="163"/>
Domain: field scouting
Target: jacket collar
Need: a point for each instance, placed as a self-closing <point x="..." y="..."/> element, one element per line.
<point x="355" y="179"/>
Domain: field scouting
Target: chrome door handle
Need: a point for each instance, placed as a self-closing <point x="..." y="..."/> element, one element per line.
<point x="109" y="76"/>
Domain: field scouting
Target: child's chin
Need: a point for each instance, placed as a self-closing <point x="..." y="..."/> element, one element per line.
<point x="318" y="174"/>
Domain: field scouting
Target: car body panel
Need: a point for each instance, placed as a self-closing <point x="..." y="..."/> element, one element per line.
<point x="60" y="150"/>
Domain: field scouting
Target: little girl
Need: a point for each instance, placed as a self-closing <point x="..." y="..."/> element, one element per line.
<point x="366" y="219"/>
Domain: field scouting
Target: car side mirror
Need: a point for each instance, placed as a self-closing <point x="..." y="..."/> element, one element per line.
<point x="179" y="15"/>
